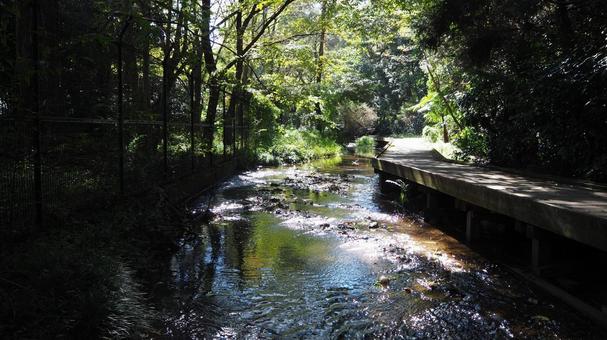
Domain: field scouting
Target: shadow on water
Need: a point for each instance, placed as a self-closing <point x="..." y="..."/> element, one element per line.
<point x="298" y="251"/>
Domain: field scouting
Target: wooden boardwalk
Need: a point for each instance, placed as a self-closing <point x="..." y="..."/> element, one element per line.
<point x="574" y="209"/>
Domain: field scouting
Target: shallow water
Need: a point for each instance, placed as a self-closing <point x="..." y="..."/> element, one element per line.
<point x="297" y="252"/>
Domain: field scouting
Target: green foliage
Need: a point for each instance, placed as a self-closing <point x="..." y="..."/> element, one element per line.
<point x="264" y="115"/>
<point x="528" y="77"/>
<point x="296" y="146"/>
<point x="365" y="146"/>
<point x="370" y="69"/>
<point x="358" y="119"/>
<point x="471" y="144"/>
<point x="433" y="133"/>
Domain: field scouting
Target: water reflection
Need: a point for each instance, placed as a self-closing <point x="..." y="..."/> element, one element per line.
<point x="294" y="254"/>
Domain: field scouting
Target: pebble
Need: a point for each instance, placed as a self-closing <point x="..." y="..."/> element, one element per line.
<point x="384" y="280"/>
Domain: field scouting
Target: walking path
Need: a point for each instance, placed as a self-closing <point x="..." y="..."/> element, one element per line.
<point x="573" y="209"/>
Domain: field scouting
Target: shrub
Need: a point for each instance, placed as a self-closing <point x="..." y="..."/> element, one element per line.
<point x="432" y="132"/>
<point x="365" y="146"/>
<point x="297" y="146"/>
<point x="358" y="119"/>
<point x="472" y="144"/>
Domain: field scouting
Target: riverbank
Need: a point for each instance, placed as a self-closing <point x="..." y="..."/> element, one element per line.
<point x="297" y="146"/>
<point x="87" y="275"/>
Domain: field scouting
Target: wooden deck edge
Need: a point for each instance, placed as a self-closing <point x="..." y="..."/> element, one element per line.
<point x="568" y="223"/>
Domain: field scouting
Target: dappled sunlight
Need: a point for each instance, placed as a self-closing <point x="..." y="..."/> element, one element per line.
<point x="277" y="169"/>
<point x="558" y="204"/>
<point x="279" y="256"/>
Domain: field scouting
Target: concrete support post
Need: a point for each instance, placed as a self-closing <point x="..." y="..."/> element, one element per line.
<point x="519" y="227"/>
<point x="432" y="200"/>
<point x="540" y="248"/>
<point x="431" y="207"/>
<point x="460" y="205"/>
<point x="471" y="227"/>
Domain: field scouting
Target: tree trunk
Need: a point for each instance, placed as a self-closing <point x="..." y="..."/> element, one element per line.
<point x="197" y="83"/>
<point x="319" y="65"/>
<point x="211" y="68"/>
<point x="146" y="90"/>
<point x="235" y="99"/>
<point x="214" y="92"/>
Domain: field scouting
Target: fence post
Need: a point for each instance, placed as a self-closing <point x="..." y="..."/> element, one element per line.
<point x="233" y="133"/>
<point x="165" y="107"/>
<point x="121" y="108"/>
<point x="224" y="125"/>
<point x="192" y="113"/>
<point x="36" y="127"/>
<point x="245" y="118"/>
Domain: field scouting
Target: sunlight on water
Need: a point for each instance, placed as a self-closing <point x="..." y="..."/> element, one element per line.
<point x="317" y="252"/>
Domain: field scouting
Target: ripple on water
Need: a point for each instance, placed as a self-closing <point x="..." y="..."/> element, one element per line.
<point x="282" y="260"/>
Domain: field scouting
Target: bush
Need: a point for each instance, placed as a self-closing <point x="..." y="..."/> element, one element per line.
<point x="432" y="132"/>
<point x="358" y="119"/>
<point x="296" y="146"/>
<point x="365" y="146"/>
<point x="472" y="144"/>
<point x="411" y="123"/>
<point x="264" y="126"/>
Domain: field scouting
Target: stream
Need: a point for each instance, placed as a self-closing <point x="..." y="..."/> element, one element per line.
<point x="315" y="251"/>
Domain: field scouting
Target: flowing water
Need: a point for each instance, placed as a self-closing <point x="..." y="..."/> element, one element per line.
<point x="298" y="252"/>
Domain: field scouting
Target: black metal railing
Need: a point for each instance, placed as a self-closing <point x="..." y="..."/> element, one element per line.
<point x="81" y="161"/>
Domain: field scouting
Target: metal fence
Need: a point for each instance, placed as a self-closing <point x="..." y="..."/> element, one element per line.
<point x="54" y="166"/>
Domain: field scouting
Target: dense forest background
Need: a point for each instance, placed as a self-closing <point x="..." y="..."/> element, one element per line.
<point x="513" y="83"/>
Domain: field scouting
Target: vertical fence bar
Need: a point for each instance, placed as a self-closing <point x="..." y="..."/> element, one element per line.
<point x="225" y="126"/>
<point x="165" y="125"/>
<point x="233" y="131"/>
<point x="120" y="121"/>
<point x="245" y="121"/>
<point x="241" y="119"/>
<point x="121" y="109"/>
<point x="192" y="113"/>
<point x="36" y="127"/>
